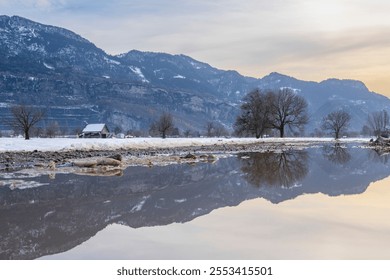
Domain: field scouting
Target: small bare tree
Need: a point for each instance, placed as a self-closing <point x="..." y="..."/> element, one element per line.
<point x="164" y="125"/>
<point x="336" y="122"/>
<point x="53" y="129"/>
<point x="25" y="118"/>
<point x="209" y="129"/>
<point x="378" y="122"/>
<point x="215" y="129"/>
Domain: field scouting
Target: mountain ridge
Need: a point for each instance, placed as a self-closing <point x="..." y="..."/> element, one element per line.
<point x="77" y="82"/>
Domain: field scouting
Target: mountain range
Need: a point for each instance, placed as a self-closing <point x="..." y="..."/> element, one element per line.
<point x="77" y="82"/>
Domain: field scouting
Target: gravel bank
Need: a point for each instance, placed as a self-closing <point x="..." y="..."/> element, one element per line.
<point x="11" y="161"/>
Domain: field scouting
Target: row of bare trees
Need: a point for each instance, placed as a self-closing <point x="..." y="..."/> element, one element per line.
<point x="164" y="126"/>
<point x="261" y="112"/>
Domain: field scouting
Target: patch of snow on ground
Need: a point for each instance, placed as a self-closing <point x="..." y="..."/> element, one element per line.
<point x="88" y="144"/>
<point x="111" y="61"/>
<point x="138" y="71"/>
<point x="48" y="66"/>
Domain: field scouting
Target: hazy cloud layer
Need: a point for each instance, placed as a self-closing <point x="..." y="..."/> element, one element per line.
<point x="311" y="40"/>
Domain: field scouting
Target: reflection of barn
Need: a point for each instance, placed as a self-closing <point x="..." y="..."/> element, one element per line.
<point x="98" y="130"/>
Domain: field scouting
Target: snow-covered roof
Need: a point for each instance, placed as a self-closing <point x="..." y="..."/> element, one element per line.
<point x="94" y="127"/>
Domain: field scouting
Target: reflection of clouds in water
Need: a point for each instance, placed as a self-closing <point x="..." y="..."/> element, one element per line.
<point x="310" y="227"/>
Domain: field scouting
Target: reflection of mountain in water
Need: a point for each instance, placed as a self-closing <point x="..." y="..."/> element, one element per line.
<point x="71" y="209"/>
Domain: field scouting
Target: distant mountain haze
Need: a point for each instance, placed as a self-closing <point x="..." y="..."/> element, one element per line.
<point x="76" y="82"/>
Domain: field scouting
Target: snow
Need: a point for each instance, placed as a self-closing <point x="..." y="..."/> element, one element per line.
<point x="97" y="127"/>
<point x="138" y="71"/>
<point x="295" y="90"/>
<point x="89" y="144"/>
<point x="139" y="206"/>
<point x="111" y="61"/>
<point x="48" y="66"/>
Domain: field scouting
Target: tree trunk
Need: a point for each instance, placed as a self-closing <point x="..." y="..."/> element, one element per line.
<point x="26" y="134"/>
<point x="281" y="130"/>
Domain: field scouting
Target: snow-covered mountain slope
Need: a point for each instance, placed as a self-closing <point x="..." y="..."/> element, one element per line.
<point x="76" y="82"/>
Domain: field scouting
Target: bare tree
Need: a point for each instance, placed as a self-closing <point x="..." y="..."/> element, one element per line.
<point x="336" y="122"/>
<point x="53" y="129"/>
<point x="262" y="111"/>
<point x="378" y="122"/>
<point x="163" y="126"/>
<point x="214" y="129"/>
<point x="187" y="133"/>
<point x="220" y="130"/>
<point x="209" y="129"/>
<point x="25" y="118"/>
<point x="287" y="110"/>
<point x="255" y="114"/>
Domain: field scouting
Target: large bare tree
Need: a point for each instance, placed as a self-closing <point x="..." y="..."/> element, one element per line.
<point x="336" y="122"/>
<point x="287" y="110"/>
<point x="25" y="118"/>
<point x="255" y="114"/>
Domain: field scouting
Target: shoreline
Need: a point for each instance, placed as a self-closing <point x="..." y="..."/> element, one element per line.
<point x="65" y="155"/>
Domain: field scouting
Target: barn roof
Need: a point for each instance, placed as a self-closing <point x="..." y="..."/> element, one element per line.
<point x="94" y="127"/>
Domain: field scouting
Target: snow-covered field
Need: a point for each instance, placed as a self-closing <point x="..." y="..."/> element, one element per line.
<point x="69" y="144"/>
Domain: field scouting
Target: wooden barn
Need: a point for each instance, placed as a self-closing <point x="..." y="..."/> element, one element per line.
<point x="95" y="130"/>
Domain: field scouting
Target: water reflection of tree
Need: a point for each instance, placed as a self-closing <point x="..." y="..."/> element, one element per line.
<point x="336" y="153"/>
<point x="272" y="169"/>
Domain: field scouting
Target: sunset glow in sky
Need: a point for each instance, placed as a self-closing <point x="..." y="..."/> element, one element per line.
<point x="310" y="40"/>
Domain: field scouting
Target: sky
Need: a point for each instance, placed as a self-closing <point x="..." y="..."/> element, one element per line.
<point x="307" y="39"/>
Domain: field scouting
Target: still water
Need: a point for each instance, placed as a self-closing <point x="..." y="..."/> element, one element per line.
<point x="327" y="202"/>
